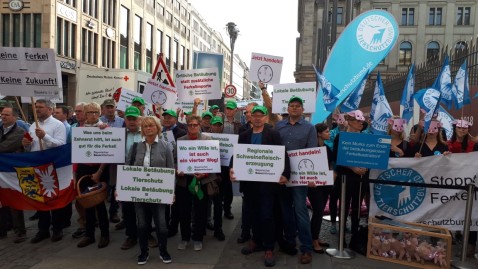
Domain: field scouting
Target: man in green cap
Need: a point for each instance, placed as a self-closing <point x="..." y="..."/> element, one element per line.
<point x="206" y="121"/>
<point x="214" y="109"/>
<point x="139" y="103"/>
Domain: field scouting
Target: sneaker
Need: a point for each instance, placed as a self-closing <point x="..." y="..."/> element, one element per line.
<point x="114" y="218"/>
<point x="128" y="243"/>
<point x="143" y="258"/>
<point x="85" y="241"/>
<point x="104" y="241"/>
<point x="269" y="259"/>
<point x="39" y="237"/>
<point x="56" y="236"/>
<point x="165" y="257"/>
<point x="19" y="238"/>
<point x="333" y="229"/>
<point x="219" y="235"/>
<point x="152" y="242"/>
<point x="306" y="258"/>
<point x="251" y="248"/>
<point x="197" y="245"/>
<point x="80" y="232"/>
<point x="182" y="245"/>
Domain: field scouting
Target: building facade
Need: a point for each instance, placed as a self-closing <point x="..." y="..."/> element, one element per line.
<point x="426" y="28"/>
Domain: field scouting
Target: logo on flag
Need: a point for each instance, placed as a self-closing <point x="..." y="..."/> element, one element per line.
<point x="375" y="33"/>
<point x="39" y="183"/>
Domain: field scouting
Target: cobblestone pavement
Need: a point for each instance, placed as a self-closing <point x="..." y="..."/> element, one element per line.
<point x="218" y="255"/>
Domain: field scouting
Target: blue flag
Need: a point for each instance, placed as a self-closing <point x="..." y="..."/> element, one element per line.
<point x="443" y="84"/>
<point x="446" y="121"/>
<point x="353" y="101"/>
<point x="461" y="87"/>
<point x="381" y="111"/>
<point x="407" y="95"/>
<point x="427" y="100"/>
<point x="328" y="91"/>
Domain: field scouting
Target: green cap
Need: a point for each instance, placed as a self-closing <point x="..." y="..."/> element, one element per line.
<point x="262" y="109"/>
<point x="214" y="107"/>
<point x="132" y="111"/>
<point x="207" y="114"/>
<point x="138" y="99"/>
<point x="231" y="104"/>
<point x="217" y="119"/>
<point x="296" y="98"/>
<point x="170" y="112"/>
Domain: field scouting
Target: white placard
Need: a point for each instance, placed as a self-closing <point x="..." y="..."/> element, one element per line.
<point x="93" y="145"/>
<point x="265" y="68"/>
<point x="125" y="99"/>
<point x="145" y="184"/>
<point x="243" y="104"/>
<point x="160" y="93"/>
<point x="55" y="100"/>
<point x="283" y="92"/>
<point x="258" y="162"/>
<point x="226" y="145"/>
<point x="198" y="156"/>
<point x="198" y="83"/>
<point x="168" y="137"/>
<point x="309" y="165"/>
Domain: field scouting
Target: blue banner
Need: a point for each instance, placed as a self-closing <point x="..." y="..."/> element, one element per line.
<point x="363" y="150"/>
<point x="380" y="111"/>
<point x="443" y="84"/>
<point x="461" y="87"/>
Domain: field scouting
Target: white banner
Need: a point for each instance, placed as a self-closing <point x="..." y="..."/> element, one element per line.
<point x="198" y="83"/>
<point x="145" y="184"/>
<point x="309" y="165"/>
<point x="226" y="145"/>
<point x="265" y="68"/>
<point x="168" y="137"/>
<point x="198" y="156"/>
<point x="258" y="162"/>
<point x="93" y="145"/>
<point x="125" y="99"/>
<point x="283" y="92"/>
<point x="432" y="206"/>
<point x="243" y="104"/>
<point x="160" y="93"/>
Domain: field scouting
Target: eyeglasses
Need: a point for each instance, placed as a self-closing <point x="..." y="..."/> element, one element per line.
<point x="193" y="125"/>
<point x="92" y="112"/>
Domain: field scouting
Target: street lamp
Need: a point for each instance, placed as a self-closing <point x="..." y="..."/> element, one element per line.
<point x="233" y="31"/>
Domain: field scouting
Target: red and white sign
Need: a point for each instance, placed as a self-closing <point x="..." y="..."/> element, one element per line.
<point x="230" y="91"/>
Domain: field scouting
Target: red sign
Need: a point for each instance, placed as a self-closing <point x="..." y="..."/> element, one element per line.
<point x="230" y="91"/>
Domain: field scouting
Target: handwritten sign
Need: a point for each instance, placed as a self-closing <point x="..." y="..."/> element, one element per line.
<point x="283" y="92"/>
<point x="145" y="184"/>
<point x="160" y="93"/>
<point x="198" y="83"/>
<point x="309" y="165"/>
<point x="125" y="99"/>
<point x="93" y="145"/>
<point x="226" y="145"/>
<point x="198" y="156"/>
<point x="265" y="68"/>
<point x="258" y="162"/>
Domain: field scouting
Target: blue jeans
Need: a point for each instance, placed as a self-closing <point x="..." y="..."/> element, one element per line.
<point x="144" y="212"/>
<point x="299" y="195"/>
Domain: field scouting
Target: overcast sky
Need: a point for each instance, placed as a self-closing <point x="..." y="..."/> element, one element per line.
<point x="266" y="26"/>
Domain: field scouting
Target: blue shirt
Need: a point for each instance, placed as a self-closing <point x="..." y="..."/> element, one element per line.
<point x="68" y="131"/>
<point x="256" y="138"/>
<point x="117" y="122"/>
<point x="301" y="135"/>
<point x="131" y="138"/>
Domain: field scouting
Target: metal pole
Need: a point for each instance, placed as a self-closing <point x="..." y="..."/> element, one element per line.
<point x="466" y="228"/>
<point x="341" y="253"/>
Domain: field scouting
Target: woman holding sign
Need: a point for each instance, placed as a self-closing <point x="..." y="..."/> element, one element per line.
<point x="151" y="152"/>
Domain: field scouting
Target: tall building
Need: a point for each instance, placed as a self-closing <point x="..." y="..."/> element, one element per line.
<point x="426" y="27"/>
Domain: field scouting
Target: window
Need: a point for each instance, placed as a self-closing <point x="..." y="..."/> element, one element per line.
<point x="21" y="30"/>
<point x="175" y="54"/>
<point x="90" y="45"/>
<point x="159" y="42"/>
<point x="433" y="49"/>
<point x="408" y="16"/>
<point x="182" y="56"/>
<point x="463" y="16"/>
<point x="167" y="52"/>
<point x="90" y="7"/>
<point x="177" y="5"/>
<point x="65" y="38"/>
<point x="149" y="48"/>
<point x="435" y="16"/>
<point x="195" y="25"/>
<point x="169" y="18"/>
<point x="108" y="55"/>
<point x="70" y="2"/>
<point x="159" y="11"/>
<point x="176" y="23"/>
<point x="405" y="57"/>
<point x="109" y="12"/>
<point x="16" y="30"/>
<point x="6" y="30"/>
<point x="187" y="59"/>
<point x="340" y="15"/>
<point x="137" y="41"/>
<point x="124" y="39"/>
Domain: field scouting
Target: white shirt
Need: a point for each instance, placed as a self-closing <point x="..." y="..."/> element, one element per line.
<point x="55" y="134"/>
<point x="147" y="154"/>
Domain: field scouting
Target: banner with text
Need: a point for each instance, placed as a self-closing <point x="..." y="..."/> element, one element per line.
<point x="226" y="145"/>
<point x="125" y="99"/>
<point x="283" y="92"/>
<point x="309" y="165"/>
<point x="431" y="206"/>
<point x="363" y="150"/>
<point x="145" y="184"/>
<point x="265" y="68"/>
<point x="198" y="156"/>
<point x="159" y="93"/>
<point x="198" y="83"/>
<point x="258" y="162"/>
<point x="93" y="145"/>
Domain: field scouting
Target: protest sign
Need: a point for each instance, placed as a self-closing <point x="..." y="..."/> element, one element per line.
<point x="283" y="92"/>
<point x="93" y="145"/>
<point x="258" y="162"/>
<point x="198" y="83"/>
<point x="160" y="93"/>
<point x="29" y="72"/>
<point x="309" y="165"/>
<point x="145" y="184"/>
<point x="244" y="103"/>
<point x="125" y="98"/>
<point x="198" y="156"/>
<point x="226" y="145"/>
<point x="431" y="206"/>
<point x="168" y="137"/>
<point x="363" y="150"/>
<point x="265" y="68"/>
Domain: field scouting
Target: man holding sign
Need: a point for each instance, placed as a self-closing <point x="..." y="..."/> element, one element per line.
<point x="261" y="196"/>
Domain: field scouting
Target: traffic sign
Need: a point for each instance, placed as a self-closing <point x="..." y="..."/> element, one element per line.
<point x="230" y="91"/>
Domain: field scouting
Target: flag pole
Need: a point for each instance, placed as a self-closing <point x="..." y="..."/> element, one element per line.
<point x="36" y="121"/>
<point x="21" y="110"/>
